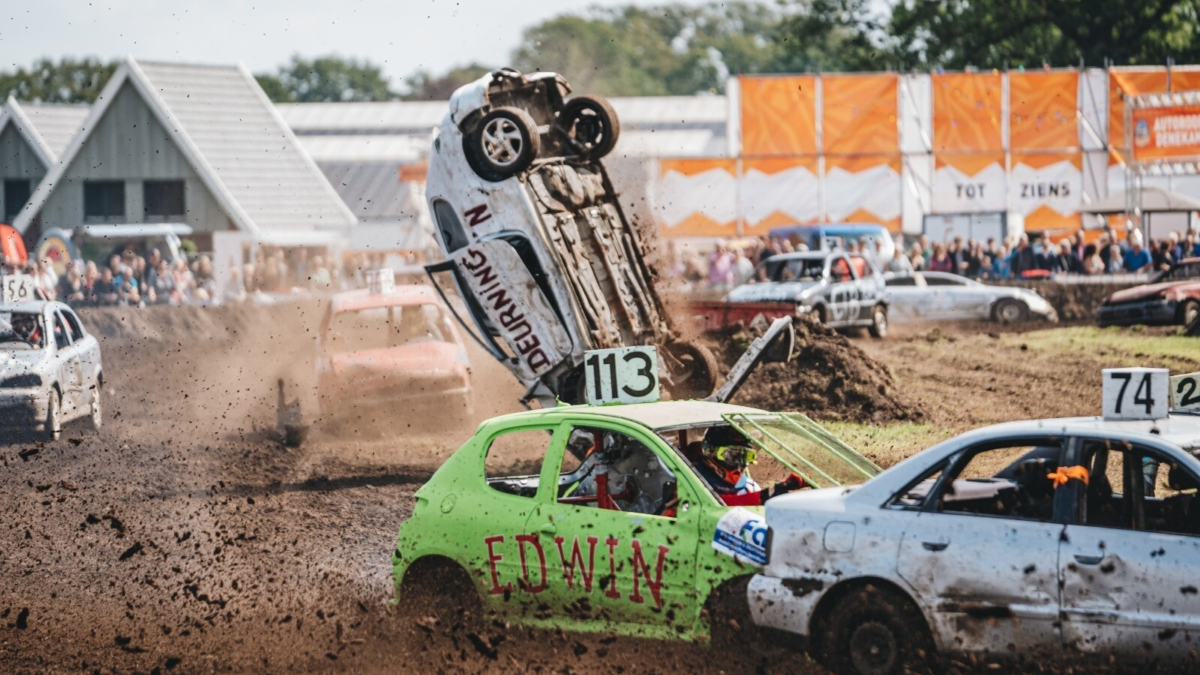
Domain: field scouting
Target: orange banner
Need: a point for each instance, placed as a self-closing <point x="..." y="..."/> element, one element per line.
<point x="1042" y="109"/>
<point x="1122" y="83"/>
<point x="966" y="112"/>
<point x="779" y="115"/>
<point x="859" y="114"/>
<point x="1166" y="133"/>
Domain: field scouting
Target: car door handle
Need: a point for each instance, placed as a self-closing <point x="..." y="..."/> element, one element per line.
<point x="548" y="528"/>
<point x="1088" y="559"/>
<point x="935" y="546"/>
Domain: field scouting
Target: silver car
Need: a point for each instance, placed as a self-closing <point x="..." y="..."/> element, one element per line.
<point x="944" y="296"/>
<point x="50" y="370"/>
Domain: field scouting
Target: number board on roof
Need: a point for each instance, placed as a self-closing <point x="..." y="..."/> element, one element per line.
<point x="625" y="375"/>
<point x="1135" y="393"/>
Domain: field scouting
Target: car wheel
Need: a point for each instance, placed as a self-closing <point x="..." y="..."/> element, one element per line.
<point x="819" y="314"/>
<point x="502" y="144"/>
<point x="875" y="631"/>
<point x="879" y="322"/>
<point x="591" y="126"/>
<point x="1010" y="311"/>
<point x="53" y="425"/>
<point x="1189" y="312"/>
<point x="693" y="369"/>
<point x="438" y="589"/>
<point x="96" y="419"/>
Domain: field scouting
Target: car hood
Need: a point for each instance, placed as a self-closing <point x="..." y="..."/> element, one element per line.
<point x="794" y="507"/>
<point x="21" y="362"/>
<point x="786" y="291"/>
<point x="424" y="359"/>
<point x="1140" y="292"/>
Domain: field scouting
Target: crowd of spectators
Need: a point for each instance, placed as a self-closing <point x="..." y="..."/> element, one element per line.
<point x="128" y="278"/>
<point x="727" y="266"/>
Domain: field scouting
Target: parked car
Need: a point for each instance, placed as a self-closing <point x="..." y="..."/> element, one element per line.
<point x="839" y="289"/>
<point x="943" y="296"/>
<point x="1048" y="537"/>
<point x="594" y="518"/>
<point x="828" y="236"/>
<point x="379" y="349"/>
<point x="1171" y="298"/>
<point x="536" y="241"/>
<point x="50" y="369"/>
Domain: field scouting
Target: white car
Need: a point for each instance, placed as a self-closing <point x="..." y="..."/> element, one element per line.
<point x="1027" y="539"/>
<point x="50" y="370"/>
<point x="536" y="240"/>
<point x="943" y="296"/>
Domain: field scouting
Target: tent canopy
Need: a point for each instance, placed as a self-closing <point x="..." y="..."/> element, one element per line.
<point x="1154" y="200"/>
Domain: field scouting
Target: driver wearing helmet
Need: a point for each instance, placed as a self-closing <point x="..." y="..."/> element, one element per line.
<point x="725" y="455"/>
<point x="26" y="327"/>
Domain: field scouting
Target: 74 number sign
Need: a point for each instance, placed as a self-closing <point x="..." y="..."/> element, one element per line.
<point x="1135" y="393"/>
<point x="625" y="375"/>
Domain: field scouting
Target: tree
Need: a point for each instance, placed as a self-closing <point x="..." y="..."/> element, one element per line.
<point x="834" y="35"/>
<point x="423" y="86"/>
<point x="325" y="80"/>
<point x="960" y="33"/>
<point x="67" y="81"/>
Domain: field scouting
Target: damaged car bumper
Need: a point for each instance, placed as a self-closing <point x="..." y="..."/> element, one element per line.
<point x="23" y="407"/>
<point x="1155" y="311"/>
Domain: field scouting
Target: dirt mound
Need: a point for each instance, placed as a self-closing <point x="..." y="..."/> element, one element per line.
<point x="829" y="378"/>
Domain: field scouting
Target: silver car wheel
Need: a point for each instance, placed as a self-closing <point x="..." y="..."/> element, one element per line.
<point x="53" y="428"/>
<point x="97" y="417"/>
<point x="502" y="141"/>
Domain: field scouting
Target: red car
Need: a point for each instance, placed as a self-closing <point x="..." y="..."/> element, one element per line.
<point x="1171" y="298"/>
<point x="398" y="352"/>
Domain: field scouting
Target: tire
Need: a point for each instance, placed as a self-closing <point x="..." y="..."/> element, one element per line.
<point x="438" y="588"/>
<point x="693" y="368"/>
<point x="1189" y="311"/>
<point x="875" y="631"/>
<point x="52" y="429"/>
<point x="502" y="144"/>
<point x="1010" y="311"/>
<point x="819" y="314"/>
<point x="590" y="125"/>
<point x="96" y="418"/>
<point x="879" y="322"/>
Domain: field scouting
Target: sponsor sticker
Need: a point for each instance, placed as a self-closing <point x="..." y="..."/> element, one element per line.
<point x="742" y="535"/>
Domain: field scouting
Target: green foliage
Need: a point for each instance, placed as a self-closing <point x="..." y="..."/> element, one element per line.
<point x="833" y="35"/>
<point x="424" y="86"/>
<point x="67" y="81"/>
<point x="327" y="79"/>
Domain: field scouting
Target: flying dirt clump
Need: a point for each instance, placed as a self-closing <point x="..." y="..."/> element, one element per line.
<point x="829" y="377"/>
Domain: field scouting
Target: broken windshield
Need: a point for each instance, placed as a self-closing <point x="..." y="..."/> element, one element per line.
<point x="21" y="330"/>
<point x="805" y="447"/>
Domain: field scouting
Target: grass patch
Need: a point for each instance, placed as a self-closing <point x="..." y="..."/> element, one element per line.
<point x="1136" y="346"/>
<point x="887" y="444"/>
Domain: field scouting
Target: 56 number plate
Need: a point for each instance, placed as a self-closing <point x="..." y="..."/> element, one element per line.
<point x="16" y="288"/>
<point x="625" y="375"/>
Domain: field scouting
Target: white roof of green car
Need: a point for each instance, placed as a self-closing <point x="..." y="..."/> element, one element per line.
<point x="658" y="416"/>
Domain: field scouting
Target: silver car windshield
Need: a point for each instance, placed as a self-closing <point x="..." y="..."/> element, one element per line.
<point x="795" y="269"/>
<point x="21" y="330"/>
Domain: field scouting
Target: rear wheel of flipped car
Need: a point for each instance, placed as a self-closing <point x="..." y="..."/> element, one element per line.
<point x="875" y="631"/>
<point x="53" y="424"/>
<point x="502" y="144"/>
<point x="591" y="126"/>
<point x="879" y="325"/>
<point x="693" y="370"/>
<point x="96" y="418"/>
<point x="437" y="595"/>
<point x="1010" y="311"/>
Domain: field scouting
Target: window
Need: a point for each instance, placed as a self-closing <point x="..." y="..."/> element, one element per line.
<point x="901" y="281"/>
<point x="449" y="225"/>
<point x="611" y="470"/>
<point x="62" y="337"/>
<point x="163" y="200"/>
<point x="1009" y="481"/>
<point x="514" y="461"/>
<point x="73" y="324"/>
<point x="16" y="196"/>
<point x="1135" y="488"/>
<point x="839" y="270"/>
<point x="934" y="280"/>
<point x="103" y="200"/>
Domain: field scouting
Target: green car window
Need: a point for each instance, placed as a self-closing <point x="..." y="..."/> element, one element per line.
<point x="611" y="470"/>
<point x="514" y="460"/>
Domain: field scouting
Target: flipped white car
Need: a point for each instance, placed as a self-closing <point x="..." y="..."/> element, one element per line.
<point x="536" y="241"/>
<point x="943" y="296"/>
<point x="1027" y="539"/>
<point x="49" y="376"/>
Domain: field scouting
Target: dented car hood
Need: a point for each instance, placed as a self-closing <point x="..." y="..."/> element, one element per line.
<point x="23" y="361"/>
<point x="1152" y="290"/>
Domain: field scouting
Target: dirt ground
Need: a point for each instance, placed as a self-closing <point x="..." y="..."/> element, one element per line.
<point x="185" y="539"/>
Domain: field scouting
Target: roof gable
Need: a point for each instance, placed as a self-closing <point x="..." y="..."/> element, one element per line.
<point x="16" y="117"/>
<point x="231" y="135"/>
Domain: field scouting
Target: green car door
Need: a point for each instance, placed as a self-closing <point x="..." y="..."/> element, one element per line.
<point x="619" y="534"/>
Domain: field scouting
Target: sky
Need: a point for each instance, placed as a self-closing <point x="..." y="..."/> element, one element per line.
<point x="400" y="35"/>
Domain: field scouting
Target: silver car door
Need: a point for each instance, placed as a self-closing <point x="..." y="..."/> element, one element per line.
<point x="70" y="367"/>
<point x="843" y="302"/>
<point x="1131" y="553"/>
<point x="88" y="348"/>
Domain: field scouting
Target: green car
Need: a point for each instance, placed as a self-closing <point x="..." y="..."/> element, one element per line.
<point x="593" y="518"/>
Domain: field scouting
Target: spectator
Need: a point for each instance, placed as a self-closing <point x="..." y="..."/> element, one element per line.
<point x="185" y="283"/>
<point x="319" y="278"/>
<point x="71" y="288"/>
<point x="743" y="269"/>
<point x="45" y="278"/>
<point x="1163" y="256"/>
<point x="104" y="291"/>
<point x="941" y="260"/>
<point x="1001" y="263"/>
<point x="1137" y="259"/>
<point x="162" y="290"/>
<point x="1066" y="262"/>
<point x="90" y="275"/>
<point x="1115" y="263"/>
<point x="720" y="267"/>
<point x="1022" y="258"/>
<point x="900" y="264"/>
<point x="203" y="273"/>
<point x="1092" y="262"/>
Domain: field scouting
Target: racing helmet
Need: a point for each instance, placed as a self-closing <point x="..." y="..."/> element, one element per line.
<point x="728" y="448"/>
<point x="25" y="327"/>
